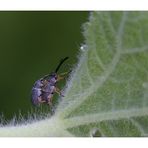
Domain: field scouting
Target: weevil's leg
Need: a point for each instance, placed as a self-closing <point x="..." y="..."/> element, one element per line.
<point x="41" y="100"/>
<point x="60" y="78"/>
<point x="62" y="75"/>
<point x="57" y="90"/>
<point x="49" y="103"/>
<point x="45" y="82"/>
<point x="49" y="99"/>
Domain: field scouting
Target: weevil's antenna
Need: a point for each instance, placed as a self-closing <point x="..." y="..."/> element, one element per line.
<point x="61" y="62"/>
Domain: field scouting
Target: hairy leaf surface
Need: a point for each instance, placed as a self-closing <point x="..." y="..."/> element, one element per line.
<point x="109" y="88"/>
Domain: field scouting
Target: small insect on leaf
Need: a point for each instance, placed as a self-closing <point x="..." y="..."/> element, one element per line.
<point x="44" y="88"/>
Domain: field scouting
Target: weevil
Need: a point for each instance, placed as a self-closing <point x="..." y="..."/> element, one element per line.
<point x="44" y="88"/>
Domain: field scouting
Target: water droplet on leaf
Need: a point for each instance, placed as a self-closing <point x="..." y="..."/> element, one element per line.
<point x="83" y="47"/>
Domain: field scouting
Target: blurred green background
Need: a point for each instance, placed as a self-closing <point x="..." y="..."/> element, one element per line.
<point x="31" y="45"/>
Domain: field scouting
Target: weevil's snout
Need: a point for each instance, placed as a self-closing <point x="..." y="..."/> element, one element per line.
<point x="54" y="75"/>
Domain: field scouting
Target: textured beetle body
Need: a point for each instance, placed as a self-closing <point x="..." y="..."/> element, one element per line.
<point x="44" y="88"/>
<point x="36" y="92"/>
<point x="49" y="88"/>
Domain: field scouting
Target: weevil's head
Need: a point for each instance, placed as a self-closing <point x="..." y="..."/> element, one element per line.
<point x="53" y="75"/>
<point x="52" y="78"/>
<point x="49" y="76"/>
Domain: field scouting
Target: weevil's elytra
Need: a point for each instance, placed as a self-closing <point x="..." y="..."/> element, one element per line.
<point x="44" y="88"/>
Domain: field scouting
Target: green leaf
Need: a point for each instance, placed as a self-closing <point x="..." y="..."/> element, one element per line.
<point x="107" y="94"/>
<point x="109" y="88"/>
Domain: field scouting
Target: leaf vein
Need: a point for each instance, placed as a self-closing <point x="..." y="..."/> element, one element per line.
<point x="99" y="117"/>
